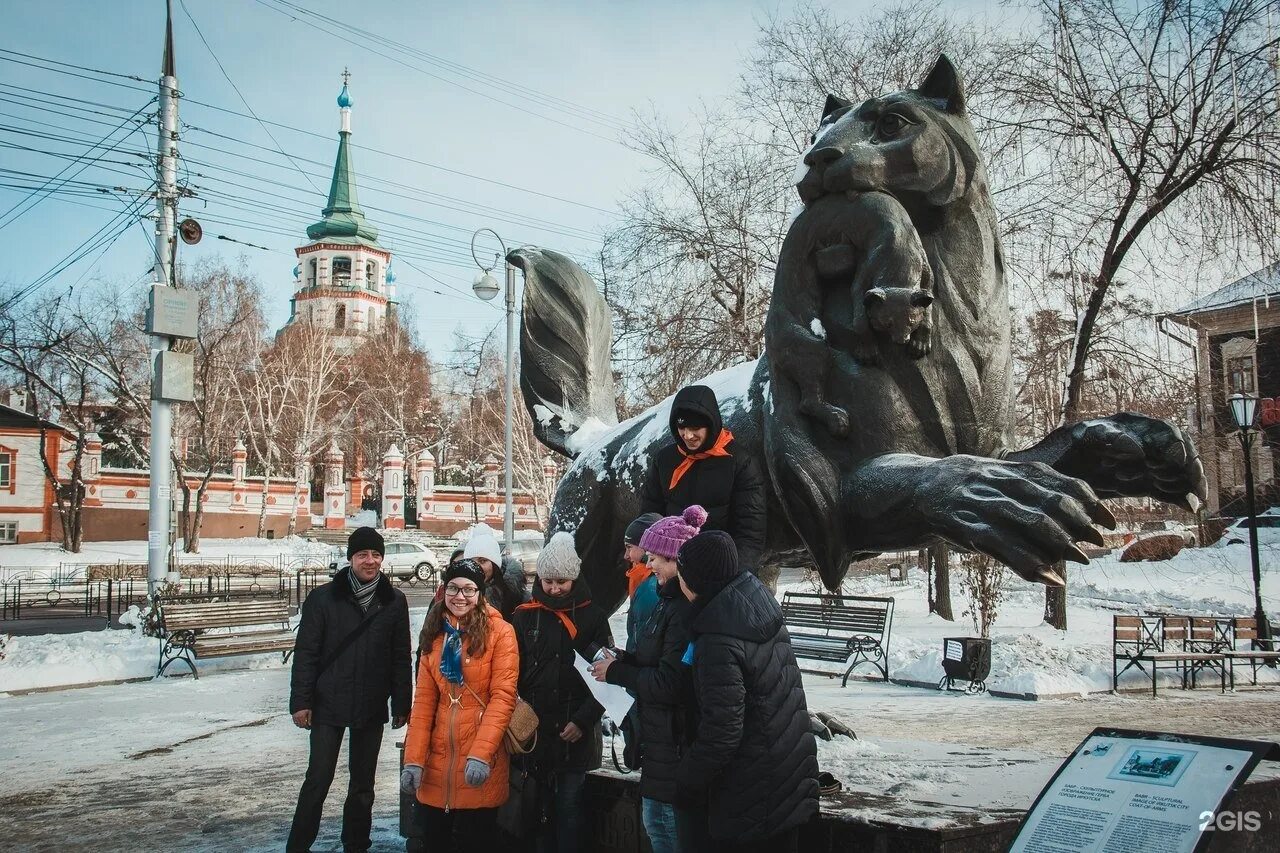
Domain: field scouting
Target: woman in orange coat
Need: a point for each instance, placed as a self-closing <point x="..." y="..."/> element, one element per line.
<point x="455" y="762"/>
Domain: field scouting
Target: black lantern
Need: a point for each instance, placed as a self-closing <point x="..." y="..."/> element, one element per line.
<point x="966" y="659"/>
<point x="1244" y="409"/>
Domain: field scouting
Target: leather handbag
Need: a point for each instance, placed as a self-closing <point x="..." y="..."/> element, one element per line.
<point x="522" y="730"/>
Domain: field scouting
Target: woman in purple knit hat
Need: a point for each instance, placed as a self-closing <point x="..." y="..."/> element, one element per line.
<point x="661" y="683"/>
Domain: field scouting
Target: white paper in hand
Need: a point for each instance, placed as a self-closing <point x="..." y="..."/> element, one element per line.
<point x="616" y="701"/>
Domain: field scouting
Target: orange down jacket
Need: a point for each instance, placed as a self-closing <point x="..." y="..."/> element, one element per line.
<point x="449" y="724"/>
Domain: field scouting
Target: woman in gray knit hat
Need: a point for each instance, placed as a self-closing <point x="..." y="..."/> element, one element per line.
<point x="559" y="622"/>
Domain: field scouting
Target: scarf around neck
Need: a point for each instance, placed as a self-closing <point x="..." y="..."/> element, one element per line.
<point x="717" y="449"/>
<point x="363" y="591"/>
<point x="451" y="654"/>
<point x="636" y="575"/>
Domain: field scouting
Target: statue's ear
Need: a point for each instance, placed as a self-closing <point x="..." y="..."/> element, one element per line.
<point x="922" y="298"/>
<point x="944" y="84"/>
<point x="833" y="104"/>
<point x="874" y="296"/>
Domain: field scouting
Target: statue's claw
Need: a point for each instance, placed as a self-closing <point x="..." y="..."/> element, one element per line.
<point x="1024" y="514"/>
<point x="1137" y="456"/>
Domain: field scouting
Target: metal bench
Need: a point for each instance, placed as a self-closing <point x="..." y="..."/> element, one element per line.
<point x="257" y="625"/>
<point x="1157" y="640"/>
<point x="1246" y="628"/>
<point x="840" y="628"/>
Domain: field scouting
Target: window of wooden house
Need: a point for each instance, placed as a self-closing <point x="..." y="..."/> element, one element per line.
<point x="7" y="472"/>
<point x="1240" y="373"/>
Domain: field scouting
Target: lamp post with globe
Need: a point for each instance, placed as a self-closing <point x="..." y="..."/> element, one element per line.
<point x="1244" y="410"/>
<point x="486" y="287"/>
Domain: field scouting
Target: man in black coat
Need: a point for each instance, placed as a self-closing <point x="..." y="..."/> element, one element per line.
<point x="351" y="656"/>
<point x="754" y="761"/>
<point x="704" y="467"/>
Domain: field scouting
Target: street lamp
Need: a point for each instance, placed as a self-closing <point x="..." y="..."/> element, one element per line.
<point x="486" y="287"/>
<point x="1244" y="408"/>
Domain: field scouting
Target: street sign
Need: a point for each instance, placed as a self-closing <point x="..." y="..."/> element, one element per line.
<point x="191" y="231"/>
<point x="175" y="377"/>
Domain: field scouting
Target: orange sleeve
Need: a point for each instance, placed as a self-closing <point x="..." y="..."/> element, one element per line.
<point x="503" y="674"/>
<point x="423" y="716"/>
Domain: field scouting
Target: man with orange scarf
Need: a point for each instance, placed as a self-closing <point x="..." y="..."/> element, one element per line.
<point x="703" y="467"/>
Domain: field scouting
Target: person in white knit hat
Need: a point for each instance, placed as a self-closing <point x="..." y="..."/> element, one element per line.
<point x="503" y="577"/>
<point x="559" y="622"/>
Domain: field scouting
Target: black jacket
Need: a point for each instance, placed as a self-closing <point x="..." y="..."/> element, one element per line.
<point x="353" y="691"/>
<point x="663" y="688"/>
<point x="754" y="760"/>
<point x="730" y="488"/>
<point x="549" y="682"/>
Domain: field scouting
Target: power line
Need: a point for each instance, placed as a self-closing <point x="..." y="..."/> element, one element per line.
<point x="377" y="151"/>
<point x="240" y="94"/>
<point x="34" y="198"/>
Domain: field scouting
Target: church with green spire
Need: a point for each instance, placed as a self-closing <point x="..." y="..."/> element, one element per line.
<point x="343" y="280"/>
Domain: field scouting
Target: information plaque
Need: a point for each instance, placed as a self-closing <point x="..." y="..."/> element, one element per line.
<point x="1125" y="790"/>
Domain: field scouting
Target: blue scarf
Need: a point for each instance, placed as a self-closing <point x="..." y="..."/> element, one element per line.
<point x="451" y="654"/>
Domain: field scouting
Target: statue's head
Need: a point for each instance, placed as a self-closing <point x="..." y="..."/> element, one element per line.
<point x="914" y="143"/>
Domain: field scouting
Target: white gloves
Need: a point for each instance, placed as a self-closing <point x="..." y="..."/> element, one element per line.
<point x="476" y="772"/>
<point x="410" y="779"/>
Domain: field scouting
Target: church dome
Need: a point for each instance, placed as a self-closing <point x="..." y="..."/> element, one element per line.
<point x="344" y="99"/>
<point x="390" y="276"/>
<point x="297" y="270"/>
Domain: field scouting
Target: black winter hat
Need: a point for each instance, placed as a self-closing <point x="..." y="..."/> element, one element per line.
<point x="708" y="562"/>
<point x="637" y="528"/>
<point x="467" y="570"/>
<point x="365" y="539"/>
<point x="691" y="419"/>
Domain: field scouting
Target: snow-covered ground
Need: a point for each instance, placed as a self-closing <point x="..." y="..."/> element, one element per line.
<point x="42" y="557"/>
<point x="214" y="764"/>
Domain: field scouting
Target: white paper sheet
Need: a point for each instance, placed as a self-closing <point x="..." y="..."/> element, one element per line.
<point x="616" y="701"/>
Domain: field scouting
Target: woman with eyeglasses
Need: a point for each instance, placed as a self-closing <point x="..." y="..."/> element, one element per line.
<point x="558" y="623"/>
<point x="455" y="762"/>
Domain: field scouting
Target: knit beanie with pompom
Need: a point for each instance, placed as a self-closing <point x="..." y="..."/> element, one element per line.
<point x="664" y="537"/>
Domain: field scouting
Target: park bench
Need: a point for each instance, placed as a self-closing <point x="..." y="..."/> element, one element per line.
<point x="1246" y="629"/>
<point x="1160" y="640"/>
<point x="841" y="628"/>
<point x="213" y="629"/>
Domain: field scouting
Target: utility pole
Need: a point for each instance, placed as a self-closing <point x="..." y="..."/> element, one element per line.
<point x="161" y="479"/>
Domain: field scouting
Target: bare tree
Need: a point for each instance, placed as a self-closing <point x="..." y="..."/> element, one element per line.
<point x="1153" y="124"/>
<point x="230" y="333"/>
<point x="41" y="348"/>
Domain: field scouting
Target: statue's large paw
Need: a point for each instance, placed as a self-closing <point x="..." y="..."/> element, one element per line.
<point x="1136" y="456"/>
<point x="1025" y="514"/>
<point x="865" y="351"/>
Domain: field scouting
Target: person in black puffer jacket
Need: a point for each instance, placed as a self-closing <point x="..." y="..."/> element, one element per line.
<point x="704" y="467"/>
<point x="559" y="621"/>
<point x="754" y="760"/>
<point x="660" y="681"/>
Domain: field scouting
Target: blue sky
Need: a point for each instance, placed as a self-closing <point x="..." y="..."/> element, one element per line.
<point x="603" y="57"/>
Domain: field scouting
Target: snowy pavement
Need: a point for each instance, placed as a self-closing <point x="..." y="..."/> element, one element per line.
<point x="215" y="764"/>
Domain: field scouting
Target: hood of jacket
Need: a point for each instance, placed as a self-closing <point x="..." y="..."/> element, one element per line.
<point x="385" y="593"/>
<point x="744" y="609"/>
<point x="577" y="597"/>
<point x="702" y="400"/>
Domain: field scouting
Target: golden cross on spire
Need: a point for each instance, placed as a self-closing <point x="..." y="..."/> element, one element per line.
<point x="346" y="75"/>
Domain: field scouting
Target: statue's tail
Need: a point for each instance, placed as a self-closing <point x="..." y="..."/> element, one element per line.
<point x="566" y="374"/>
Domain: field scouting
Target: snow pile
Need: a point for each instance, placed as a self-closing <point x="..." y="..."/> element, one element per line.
<point x="586" y="435"/>
<point x="56" y="659"/>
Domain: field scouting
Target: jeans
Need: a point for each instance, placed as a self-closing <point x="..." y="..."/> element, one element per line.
<point x="357" y="812"/>
<point x="564" y="833"/>
<point x="660" y="825"/>
<point x="457" y="830"/>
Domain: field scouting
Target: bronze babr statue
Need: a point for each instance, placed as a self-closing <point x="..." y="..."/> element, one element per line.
<point x="905" y="434"/>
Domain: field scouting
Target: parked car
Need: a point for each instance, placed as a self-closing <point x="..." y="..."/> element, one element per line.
<point x="1188" y="534"/>
<point x="526" y="551"/>
<point x="1268" y="531"/>
<point x="403" y="559"/>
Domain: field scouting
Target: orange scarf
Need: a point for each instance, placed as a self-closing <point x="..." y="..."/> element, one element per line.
<point x="717" y="449"/>
<point x="564" y="617"/>
<point x="636" y="575"/>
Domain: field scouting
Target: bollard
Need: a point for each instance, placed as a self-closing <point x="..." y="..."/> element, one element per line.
<point x="110" y="601"/>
